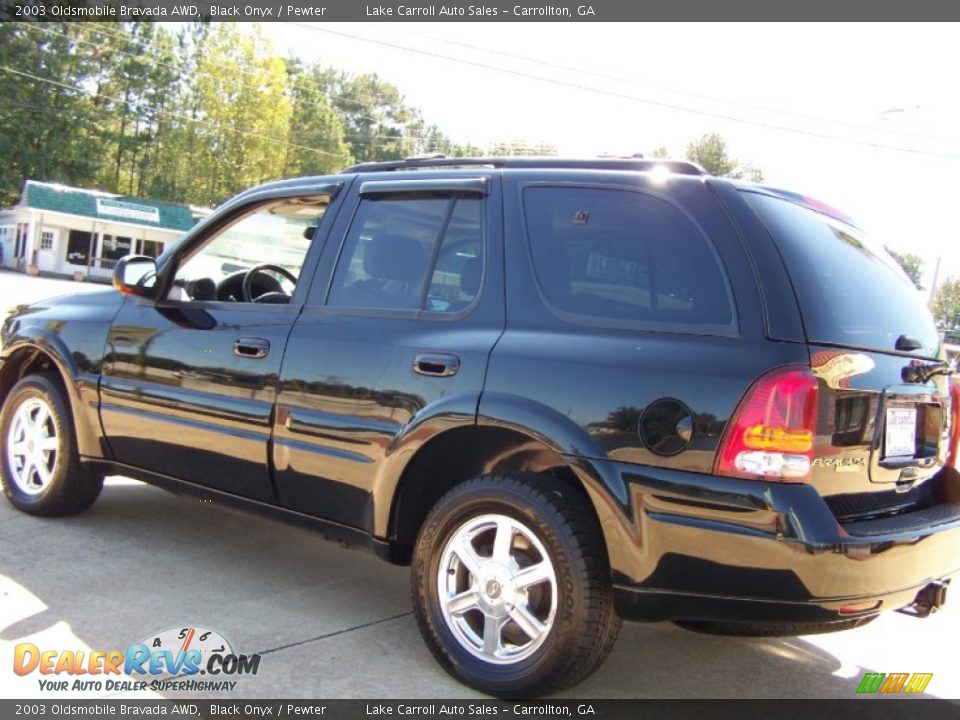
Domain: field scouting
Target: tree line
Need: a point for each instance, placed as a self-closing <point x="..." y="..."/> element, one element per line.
<point x="198" y="114"/>
<point x="193" y="115"/>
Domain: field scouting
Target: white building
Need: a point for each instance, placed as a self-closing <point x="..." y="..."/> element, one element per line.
<point x="60" y="229"/>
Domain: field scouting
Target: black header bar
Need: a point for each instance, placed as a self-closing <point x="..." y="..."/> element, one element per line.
<point x="479" y="11"/>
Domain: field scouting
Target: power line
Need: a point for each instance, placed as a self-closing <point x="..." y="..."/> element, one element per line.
<point x="152" y="58"/>
<point x="182" y="66"/>
<point x="700" y="96"/>
<point x="633" y="98"/>
<point x="180" y="116"/>
<point x="352" y="97"/>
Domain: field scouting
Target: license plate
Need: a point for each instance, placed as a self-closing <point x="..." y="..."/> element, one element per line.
<point x="901" y="438"/>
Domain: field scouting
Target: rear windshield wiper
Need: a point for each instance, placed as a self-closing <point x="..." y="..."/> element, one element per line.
<point x="920" y="373"/>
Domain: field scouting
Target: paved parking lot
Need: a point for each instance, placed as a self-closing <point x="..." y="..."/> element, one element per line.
<point x="332" y="622"/>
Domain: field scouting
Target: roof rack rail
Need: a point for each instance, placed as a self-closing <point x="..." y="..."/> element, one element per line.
<point x="436" y="161"/>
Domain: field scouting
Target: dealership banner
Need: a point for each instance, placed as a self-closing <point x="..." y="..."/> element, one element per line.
<point x="473" y="11"/>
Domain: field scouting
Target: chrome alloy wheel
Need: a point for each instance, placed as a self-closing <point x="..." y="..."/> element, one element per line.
<point x="32" y="446"/>
<point x="497" y="589"/>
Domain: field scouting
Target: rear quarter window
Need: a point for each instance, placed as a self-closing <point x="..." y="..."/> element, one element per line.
<point x="622" y="258"/>
<point x="851" y="292"/>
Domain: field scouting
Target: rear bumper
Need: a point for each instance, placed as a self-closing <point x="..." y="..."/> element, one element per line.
<point x="646" y="605"/>
<point x="699" y="547"/>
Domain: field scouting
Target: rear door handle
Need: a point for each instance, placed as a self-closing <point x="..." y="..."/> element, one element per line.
<point x="436" y="364"/>
<point x="251" y="347"/>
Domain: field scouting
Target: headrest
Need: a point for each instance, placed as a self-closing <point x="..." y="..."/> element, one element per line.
<point x="394" y="257"/>
<point x="202" y="289"/>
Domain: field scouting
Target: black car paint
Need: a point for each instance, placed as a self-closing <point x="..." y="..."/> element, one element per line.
<point x="325" y="430"/>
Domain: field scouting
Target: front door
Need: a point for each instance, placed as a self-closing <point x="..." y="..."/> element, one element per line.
<point x="189" y="381"/>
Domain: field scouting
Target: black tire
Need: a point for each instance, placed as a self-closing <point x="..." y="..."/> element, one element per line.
<point x="70" y="489"/>
<point x="773" y="629"/>
<point x="585" y="625"/>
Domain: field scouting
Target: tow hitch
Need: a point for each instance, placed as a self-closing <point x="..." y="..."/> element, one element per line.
<point x="930" y="599"/>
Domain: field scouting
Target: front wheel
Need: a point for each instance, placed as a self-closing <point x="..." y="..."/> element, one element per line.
<point x="511" y="585"/>
<point x="40" y="468"/>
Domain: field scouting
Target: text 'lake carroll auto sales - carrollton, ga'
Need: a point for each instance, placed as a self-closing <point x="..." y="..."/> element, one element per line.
<point x="490" y="11"/>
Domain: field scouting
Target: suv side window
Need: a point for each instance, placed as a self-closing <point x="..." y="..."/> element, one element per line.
<point x="274" y="235"/>
<point x="411" y="254"/>
<point x="624" y="258"/>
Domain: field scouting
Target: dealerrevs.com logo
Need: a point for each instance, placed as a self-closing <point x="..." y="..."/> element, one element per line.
<point x="172" y="660"/>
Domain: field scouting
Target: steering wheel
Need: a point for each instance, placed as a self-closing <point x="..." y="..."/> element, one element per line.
<point x="247" y="287"/>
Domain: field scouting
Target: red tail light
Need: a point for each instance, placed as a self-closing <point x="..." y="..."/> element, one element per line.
<point x="770" y="437"/>
<point x="954" y="423"/>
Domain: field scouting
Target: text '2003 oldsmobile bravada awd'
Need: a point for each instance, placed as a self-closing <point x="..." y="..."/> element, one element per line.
<point x="564" y="392"/>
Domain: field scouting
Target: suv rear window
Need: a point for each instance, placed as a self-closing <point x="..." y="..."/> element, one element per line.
<point x="624" y="258"/>
<point x="851" y="292"/>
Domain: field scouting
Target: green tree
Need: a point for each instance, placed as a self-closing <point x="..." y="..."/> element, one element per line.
<point x="315" y="127"/>
<point x="468" y="150"/>
<point x="379" y="124"/>
<point x="434" y="140"/>
<point x="660" y="153"/>
<point x="243" y="114"/>
<point x="137" y="85"/>
<point x="946" y="305"/>
<point x="710" y="152"/>
<point x="49" y="126"/>
<point x="912" y="265"/>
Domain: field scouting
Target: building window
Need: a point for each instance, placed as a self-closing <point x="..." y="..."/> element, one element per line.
<point x="114" y="247"/>
<point x="78" y="247"/>
<point x="152" y="248"/>
<point x="46" y="240"/>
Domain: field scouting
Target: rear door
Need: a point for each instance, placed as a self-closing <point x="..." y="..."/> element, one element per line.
<point x="882" y="421"/>
<point x="393" y="342"/>
<point x="634" y="320"/>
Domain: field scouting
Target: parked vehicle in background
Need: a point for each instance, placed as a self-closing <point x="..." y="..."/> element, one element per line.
<point x="952" y="345"/>
<point x="565" y="392"/>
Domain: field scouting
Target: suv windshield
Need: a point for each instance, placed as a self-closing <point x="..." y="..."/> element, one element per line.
<point x="851" y="292"/>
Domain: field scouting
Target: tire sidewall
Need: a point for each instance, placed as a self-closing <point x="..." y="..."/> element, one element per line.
<point x="35" y="387"/>
<point x="443" y="522"/>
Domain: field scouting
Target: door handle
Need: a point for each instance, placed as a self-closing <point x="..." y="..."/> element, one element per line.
<point x="251" y="347"/>
<point x="436" y="364"/>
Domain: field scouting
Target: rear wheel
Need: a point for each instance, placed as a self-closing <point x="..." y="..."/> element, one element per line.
<point x="40" y="468"/>
<point x="511" y="586"/>
<point x="773" y="629"/>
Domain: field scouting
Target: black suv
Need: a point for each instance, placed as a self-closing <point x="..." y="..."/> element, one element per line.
<point x="564" y="392"/>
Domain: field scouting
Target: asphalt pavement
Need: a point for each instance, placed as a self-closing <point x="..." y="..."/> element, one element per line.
<point x="331" y="622"/>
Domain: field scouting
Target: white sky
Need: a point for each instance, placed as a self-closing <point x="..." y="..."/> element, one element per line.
<point x="879" y="84"/>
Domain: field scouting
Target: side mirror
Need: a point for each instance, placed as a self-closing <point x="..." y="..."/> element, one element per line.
<point x="136" y="275"/>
